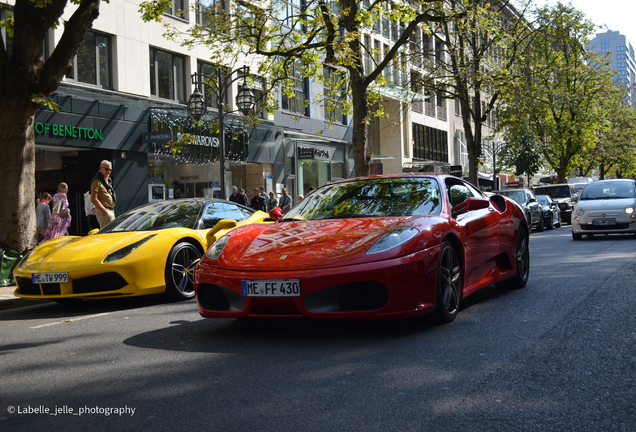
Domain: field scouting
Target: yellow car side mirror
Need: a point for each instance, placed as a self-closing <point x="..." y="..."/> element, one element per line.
<point x="93" y="231"/>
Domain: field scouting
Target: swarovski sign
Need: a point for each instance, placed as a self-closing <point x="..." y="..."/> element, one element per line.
<point x="202" y="140"/>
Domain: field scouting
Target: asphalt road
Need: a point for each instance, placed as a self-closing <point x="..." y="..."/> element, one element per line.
<point x="558" y="355"/>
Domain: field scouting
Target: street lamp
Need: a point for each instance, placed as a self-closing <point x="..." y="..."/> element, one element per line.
<point x="244" y="100"/>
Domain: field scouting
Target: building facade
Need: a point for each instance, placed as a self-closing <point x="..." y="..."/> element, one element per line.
<point x="623" y="59"/>
<point x="128" y="83"/>
<point x="126" y="95"/>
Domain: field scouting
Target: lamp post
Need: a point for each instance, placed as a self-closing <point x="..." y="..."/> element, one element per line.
<point x="220" y="86"/>
<point x="507" y="157"/>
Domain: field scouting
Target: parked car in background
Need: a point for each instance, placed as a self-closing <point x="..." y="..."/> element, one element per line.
<point x="564" y="194"/>
<point x="531" y="207"/>
<point x="551" y="212"/>
<point x="579" y="183"/>
<point x="605" y="206"/>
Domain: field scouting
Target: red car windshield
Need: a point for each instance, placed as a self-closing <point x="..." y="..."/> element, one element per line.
<point x="371" y="198"/>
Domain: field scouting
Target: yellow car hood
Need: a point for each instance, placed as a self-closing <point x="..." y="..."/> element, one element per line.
<point x="69" y="250"/>
<point x="63" y="252"/>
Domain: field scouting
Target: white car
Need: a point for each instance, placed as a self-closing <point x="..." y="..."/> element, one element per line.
<point x="604" y="207"/>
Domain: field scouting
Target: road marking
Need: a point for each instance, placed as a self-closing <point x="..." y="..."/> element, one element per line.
<point x="71" y="319"/>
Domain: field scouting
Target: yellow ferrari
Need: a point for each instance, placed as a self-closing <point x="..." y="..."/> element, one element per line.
<point x="148" y="250"/>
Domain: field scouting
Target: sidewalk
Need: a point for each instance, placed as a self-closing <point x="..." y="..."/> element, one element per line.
<point x="9" y="301"/>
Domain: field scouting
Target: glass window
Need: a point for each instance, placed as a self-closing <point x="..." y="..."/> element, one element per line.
<point x="371" y="198"/>
<point x="293" y="96"/>
<point x="167" y="75"/>
<point x="216" y="211"/>
<point x="177" y="8"/>
<point x="249" y="18"/>
<point x="621" y="64"/>
<point x="458" y="193"/>
<point x="157" y="216"/>
<point x="334" y="94"/>
<point x="516" y="195"/>
<point x="91" y="65"/>
<point x="621" y="48"/>
<point x="290" y="13"/>
<point x="429" y="143"/>
<point x="608" y="190"/>
<point x="209" y="72"/>
<point x="5" y="13"/>
<point x="604" y="45"/>
<point x="207" y="11"/>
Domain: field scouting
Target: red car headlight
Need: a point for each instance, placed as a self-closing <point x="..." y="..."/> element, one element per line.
<point x="393" y="239"/>
<point x="215" y="250"/>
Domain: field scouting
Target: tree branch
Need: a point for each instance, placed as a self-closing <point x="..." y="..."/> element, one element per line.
<point x="60" y="61"/>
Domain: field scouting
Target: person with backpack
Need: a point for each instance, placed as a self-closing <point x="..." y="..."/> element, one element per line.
<point x="258" y="202"/>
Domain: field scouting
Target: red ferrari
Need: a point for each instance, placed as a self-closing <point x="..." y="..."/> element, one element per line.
<point x="383" y="247"/>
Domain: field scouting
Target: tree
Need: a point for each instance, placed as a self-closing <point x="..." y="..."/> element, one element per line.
<point x="560" y="93"/>
<point x="483" y="40"/>
<point x="26" y="81"/>
<point x="613" y="151"/>
<point x="523" y="156"/>
<point x="288" y="42"/>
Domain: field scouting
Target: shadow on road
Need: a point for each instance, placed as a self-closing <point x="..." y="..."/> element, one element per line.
<point x="246" y="335"/>
<point x="81" y="308"/>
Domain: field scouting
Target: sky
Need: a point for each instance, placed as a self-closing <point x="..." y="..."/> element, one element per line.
<point x="617" y="15"/>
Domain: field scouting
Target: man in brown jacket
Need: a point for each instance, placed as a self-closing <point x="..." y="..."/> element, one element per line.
<point x="103" y="194"/>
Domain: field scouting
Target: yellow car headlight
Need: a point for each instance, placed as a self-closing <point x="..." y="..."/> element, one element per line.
<point x="125" y="251"/>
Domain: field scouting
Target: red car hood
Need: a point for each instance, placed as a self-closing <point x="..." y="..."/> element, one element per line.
<point x="314" y="244"/>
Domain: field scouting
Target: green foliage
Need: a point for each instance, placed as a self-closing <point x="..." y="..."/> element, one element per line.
<point x="8" y="24"/>
<point x="286" y="44"/>
<point x="45" y="101"/>
<point x="153" y="10"/>
<point x="561" y="95"/>
<point x="482" y="40"/>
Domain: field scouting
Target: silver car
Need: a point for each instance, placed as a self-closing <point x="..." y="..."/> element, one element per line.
<point x="605" y="207"/>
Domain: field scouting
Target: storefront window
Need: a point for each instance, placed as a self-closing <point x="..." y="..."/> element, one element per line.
<point x="314" y="174"/>
<point x="184" y="180"/>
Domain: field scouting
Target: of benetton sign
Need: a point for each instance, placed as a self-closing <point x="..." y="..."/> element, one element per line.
<point x="59" y="130"/>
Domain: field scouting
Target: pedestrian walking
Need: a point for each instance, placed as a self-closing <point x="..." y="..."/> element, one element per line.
<point x="247" y="200"/>
<point x="272" y="202"/>
<point x="285" y="202"/>
<point x="261" y="191"/>
<point x="103" y="194"/>
<point x="237" y="197"/>
<point x="43" y="215"/>
<point x="258" y="202"/>
<point x="61" y="216"/>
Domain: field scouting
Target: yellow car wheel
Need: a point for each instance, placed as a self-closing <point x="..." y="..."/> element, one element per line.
<point x="183" y="258"/>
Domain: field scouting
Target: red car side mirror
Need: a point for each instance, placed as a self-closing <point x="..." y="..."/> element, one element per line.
<point x="471" y="204"/>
